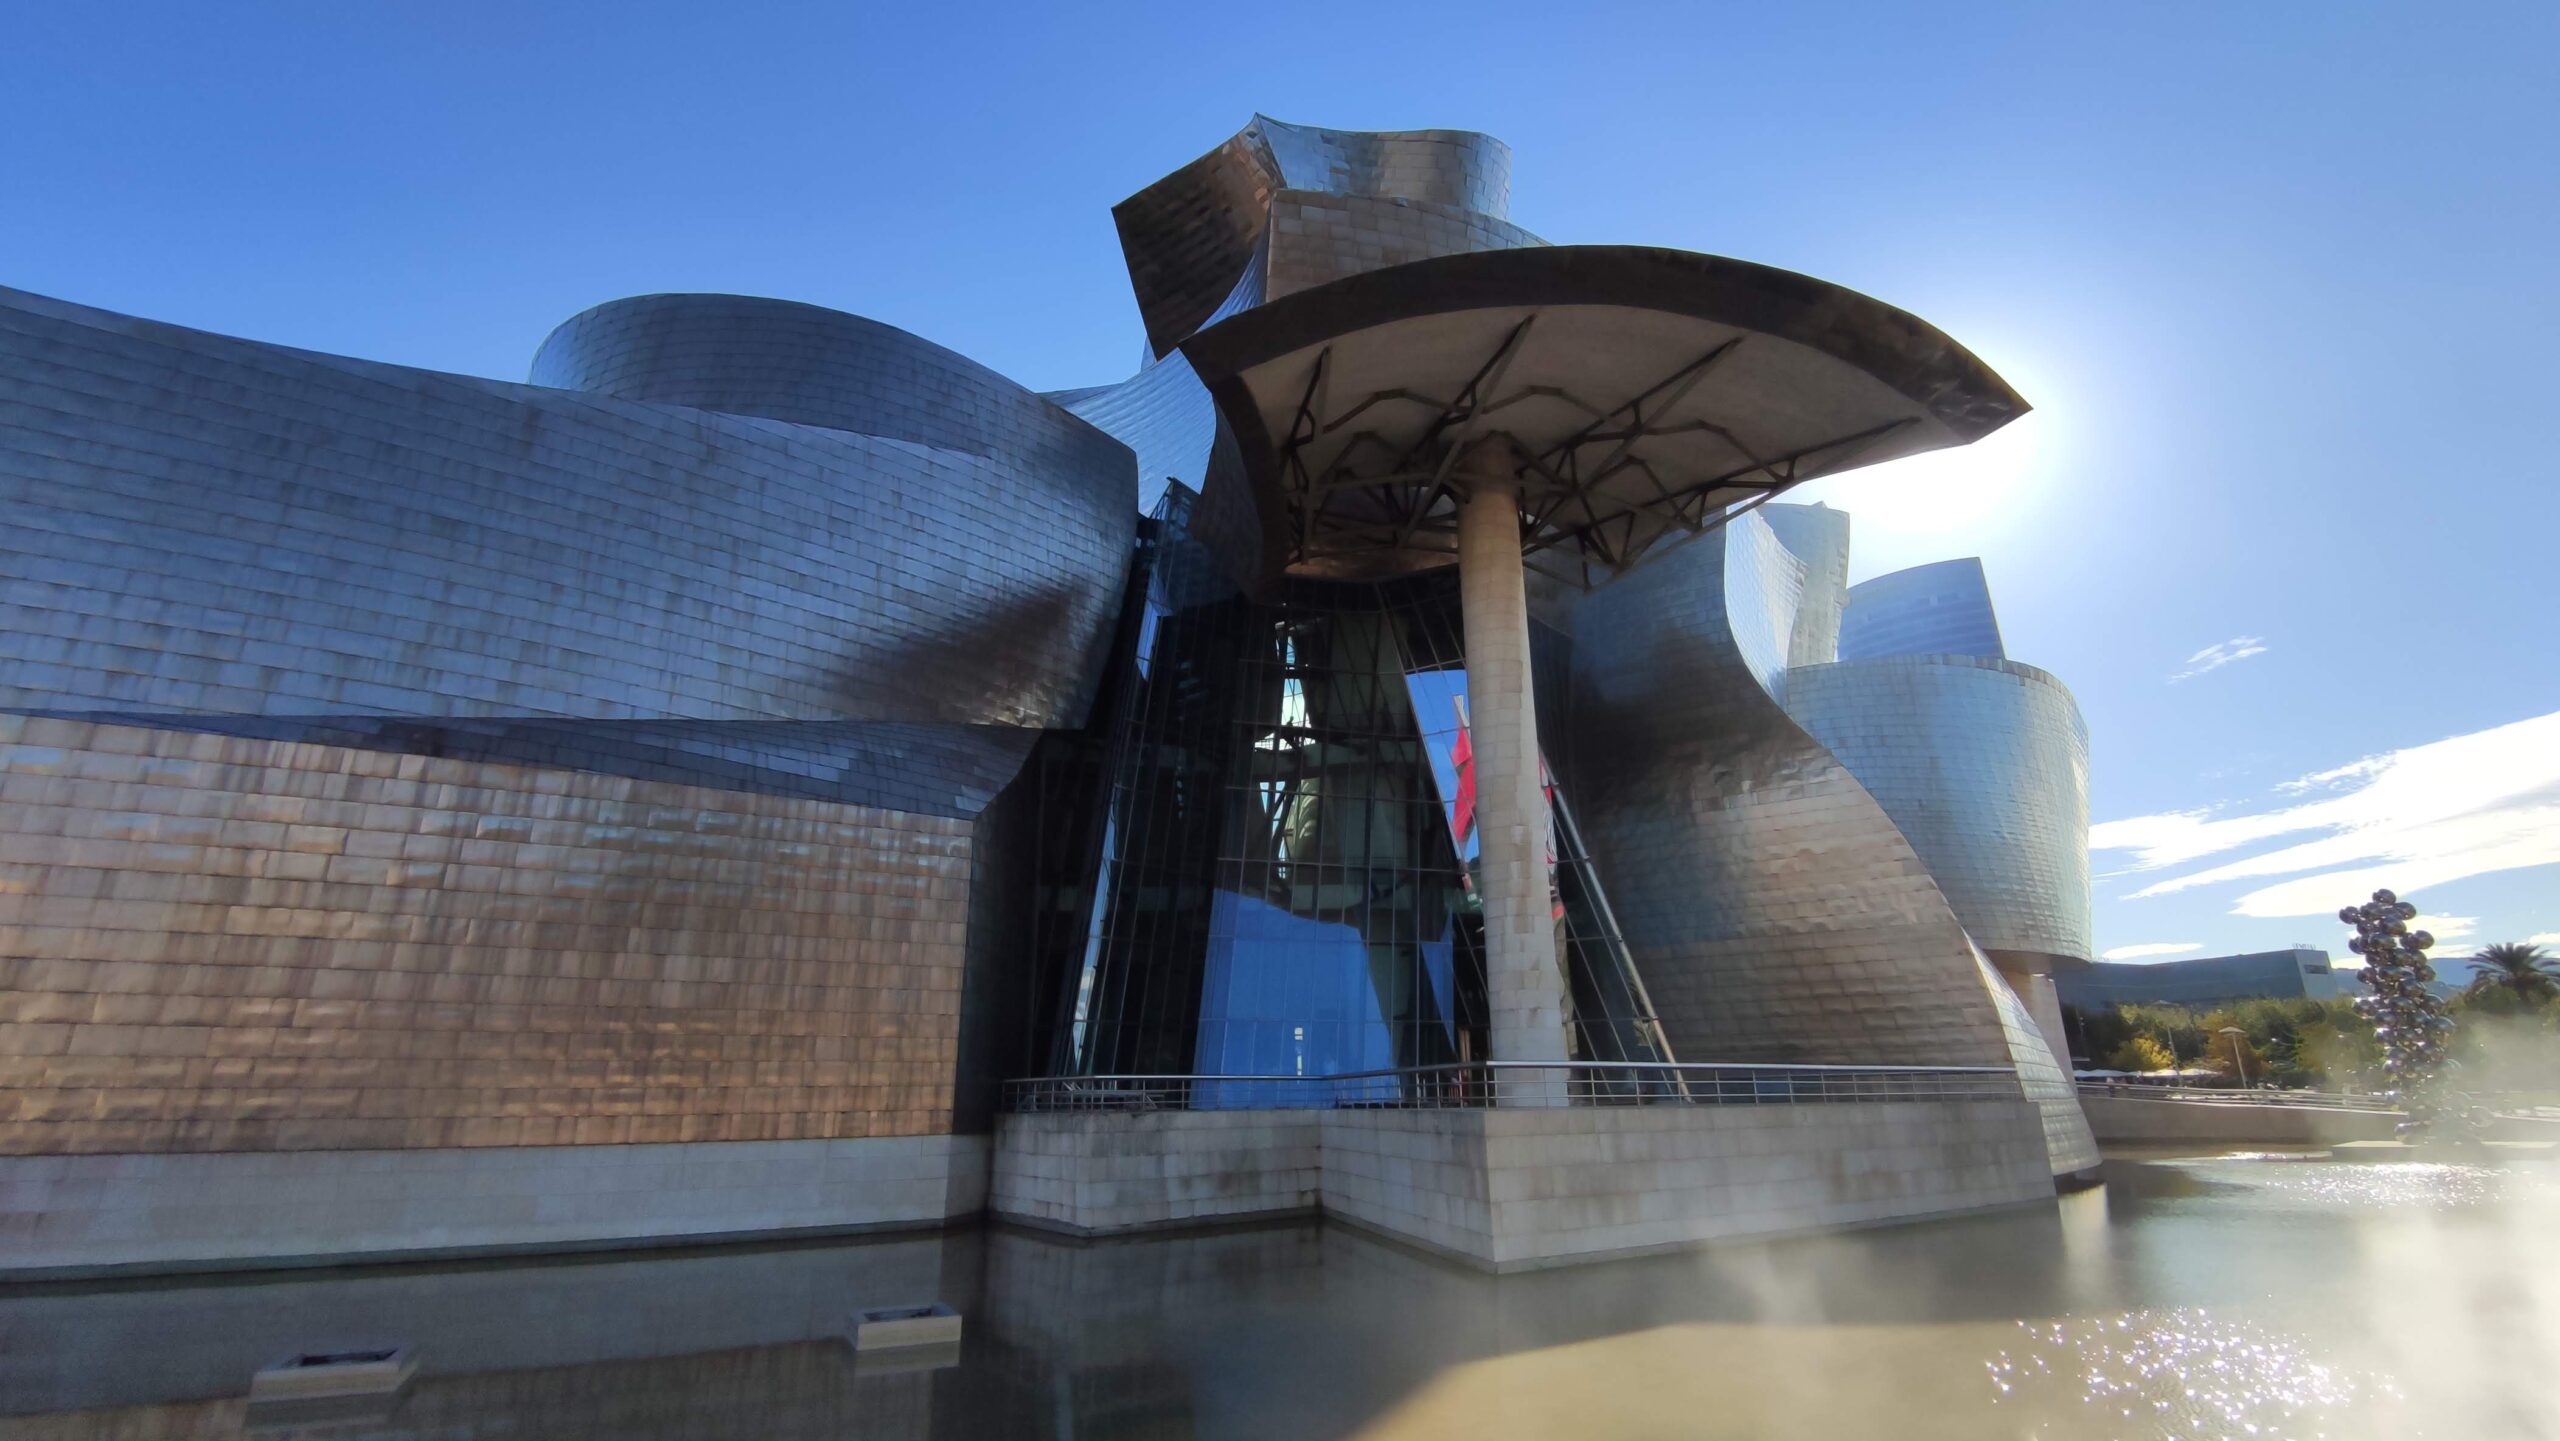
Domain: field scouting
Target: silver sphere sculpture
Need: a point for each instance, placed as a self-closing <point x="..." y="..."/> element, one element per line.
<point x="2407" y="1018"/>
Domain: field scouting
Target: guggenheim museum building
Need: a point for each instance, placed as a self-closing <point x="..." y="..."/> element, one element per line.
<point x="1394" y="756"/>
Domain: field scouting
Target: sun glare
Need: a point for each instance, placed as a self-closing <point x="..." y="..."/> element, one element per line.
<point x="1942" y="493"/>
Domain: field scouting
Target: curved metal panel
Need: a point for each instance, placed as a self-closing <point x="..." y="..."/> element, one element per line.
<point x="1163" y="415"/>
<point x="1960" y="398"/>
<point x="1193" y="237"/>
<point x="1774" y="907"/>
<point x="203" y="525"/>
<point x="1818" y="537"/>
<point x="1463" y="169"/>
<point x="1646" y="393"/>
<point x="1943" y="608"/>
<point x="745" y="355"/>
<point x="1318" y="237"/>
<point x="2070" y="1146"/>
<point x="1984" y="766"/>
<point x="1775" y="912"/>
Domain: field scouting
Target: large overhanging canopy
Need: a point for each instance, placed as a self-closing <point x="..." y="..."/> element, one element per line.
<point x="1650" y="394"/>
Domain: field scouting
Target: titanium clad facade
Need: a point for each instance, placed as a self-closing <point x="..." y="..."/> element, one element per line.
<point x="1818" y="537"/>
<point x="406" y="761"/>
<point x="1275" y="210"/>
<point x="1164" y="416"/>
<point x="744" y="355"/>
<point x="1984" y="766"/>
<point x="765" y="726"/>
<point x="208" y="526"/>
<point x="227" y="944"/>
<point x="1777" y="903"/>
<point x="1943" y="608"/>
<point x="1773" y="909"/>
<point x="1198" y="236"/>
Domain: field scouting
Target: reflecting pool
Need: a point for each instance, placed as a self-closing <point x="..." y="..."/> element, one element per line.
<point x="2256" y="1296"/>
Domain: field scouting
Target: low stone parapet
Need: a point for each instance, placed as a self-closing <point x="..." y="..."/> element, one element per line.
<point x="2142" y="1120"/>
<point x="1520" y="1189"/>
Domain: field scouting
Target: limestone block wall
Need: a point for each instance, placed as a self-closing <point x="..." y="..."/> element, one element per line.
<point x="1520" y="1188"/>
<point x="800" y="1391"/>
<point x="1571" y="1185"/>
<point x="80" y="1214"/>
<point x="69" y="1347"/>
<point x="2141" y="1120"/>
<point x="1419" y="1175"/>
<point x="1099" y="1172"/>
<point x="214" y="943"/>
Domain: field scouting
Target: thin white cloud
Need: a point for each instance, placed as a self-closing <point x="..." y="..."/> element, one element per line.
<point x="2446" y="928"/>
<point x="2466" y="806"/>
<point x="2332" y="779"/>
<point x="2545" y="938"/>
<point x="2152" y="948"/>
<point x="2219" y="654"/>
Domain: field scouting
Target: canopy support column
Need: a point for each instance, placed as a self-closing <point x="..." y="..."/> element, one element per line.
<point x="1523" y="981"/>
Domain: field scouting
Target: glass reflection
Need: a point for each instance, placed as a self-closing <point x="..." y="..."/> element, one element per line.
<point x="1281" y="880"/>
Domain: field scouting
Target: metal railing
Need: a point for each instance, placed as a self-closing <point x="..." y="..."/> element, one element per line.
<point x="1517" y="1083"/>
<point x="2299" y="1100"/>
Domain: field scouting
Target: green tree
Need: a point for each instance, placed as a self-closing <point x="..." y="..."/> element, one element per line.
<point x="2174" y="1027"/>
<point x="2334" y="1053"/>
<point x="2140" y="1053"/>
<point x="2521" y="970"/>
<point x="2230" y="1053"/>
<point x="2290" y="1042"/>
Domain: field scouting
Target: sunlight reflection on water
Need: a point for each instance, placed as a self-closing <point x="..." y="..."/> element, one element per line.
<point x="2405" y="1183"/>
<point x="2181" y="1373"/>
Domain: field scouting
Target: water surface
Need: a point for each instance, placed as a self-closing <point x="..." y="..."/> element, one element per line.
<point x="2253" y="1296"/>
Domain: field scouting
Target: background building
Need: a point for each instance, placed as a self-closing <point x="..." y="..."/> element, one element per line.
<point x="2299" y="973"/>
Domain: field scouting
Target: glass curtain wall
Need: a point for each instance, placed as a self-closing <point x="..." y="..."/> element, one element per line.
<point x="1283" y="883"/>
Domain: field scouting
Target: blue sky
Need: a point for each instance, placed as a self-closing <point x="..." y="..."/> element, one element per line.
<point x="2278" y="277"/>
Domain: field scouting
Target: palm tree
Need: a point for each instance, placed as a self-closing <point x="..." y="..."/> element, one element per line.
<point x="2515" y="966"/>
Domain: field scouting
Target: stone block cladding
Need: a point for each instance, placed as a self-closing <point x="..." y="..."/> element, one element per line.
<point x="1421" y="1176"/>
<point x="2137" y="1120"/>
<point x="1099" y="1173"/>
<point x="210" y="943"/>
<point x="790" y="1391"/>
<point x="1520" y="1189"/>
<point x="496" y="1326"/>
<point x="75" y="1214"/>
